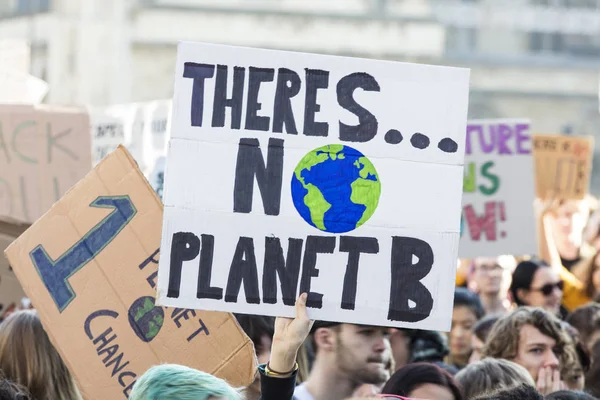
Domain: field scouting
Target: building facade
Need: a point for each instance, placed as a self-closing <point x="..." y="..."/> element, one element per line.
<point x="538" y="59"/>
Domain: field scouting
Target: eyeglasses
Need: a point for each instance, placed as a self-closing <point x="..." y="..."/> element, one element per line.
<point x="548" y="288"/>
<point x="490" y="268"/>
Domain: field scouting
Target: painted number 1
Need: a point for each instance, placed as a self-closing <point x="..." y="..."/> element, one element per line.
<point x="55" y="273"/>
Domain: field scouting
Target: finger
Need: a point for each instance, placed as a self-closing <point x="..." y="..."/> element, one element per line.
<point x="556" y="381"/>
<point x="541" y="381"/>
<point x="301" y="312"/>
<point x="549" y="379"/>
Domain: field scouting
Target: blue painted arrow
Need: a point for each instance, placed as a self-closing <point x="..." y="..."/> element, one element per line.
<point x="55" y="274"/>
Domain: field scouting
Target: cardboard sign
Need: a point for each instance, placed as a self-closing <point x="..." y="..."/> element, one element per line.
<point x="563" y="166"/>
<point x="290" y="173"/>
<point x="11" y="291"/>
<point x="498" y="216"/>
<point x="43" y="152"/>
<point x="90" y="266"/>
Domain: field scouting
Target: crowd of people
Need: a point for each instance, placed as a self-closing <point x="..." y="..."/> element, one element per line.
<point x="524" y="327"/>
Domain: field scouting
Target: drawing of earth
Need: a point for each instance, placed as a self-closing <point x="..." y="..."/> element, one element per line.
<point x="145" y="318"/>
<point x="335" y="188"/>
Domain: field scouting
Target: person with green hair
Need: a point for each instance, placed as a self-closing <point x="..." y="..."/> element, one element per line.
<point x="177" y="382"/>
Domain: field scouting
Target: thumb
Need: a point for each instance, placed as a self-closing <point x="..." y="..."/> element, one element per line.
<point x="301" y="307"/>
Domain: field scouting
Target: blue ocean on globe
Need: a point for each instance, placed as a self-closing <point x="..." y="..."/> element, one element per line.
<point x="335" y="188"/>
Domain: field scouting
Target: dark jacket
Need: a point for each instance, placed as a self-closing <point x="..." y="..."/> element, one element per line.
<point x="276" y="388"/>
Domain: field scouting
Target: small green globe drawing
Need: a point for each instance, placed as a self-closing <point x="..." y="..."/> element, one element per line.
<point x="145" y="318"/>
<point x="335" y="188"/>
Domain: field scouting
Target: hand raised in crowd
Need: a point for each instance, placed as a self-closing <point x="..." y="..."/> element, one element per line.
<point x="288" y="337"/>
<point x="549" y="380"/>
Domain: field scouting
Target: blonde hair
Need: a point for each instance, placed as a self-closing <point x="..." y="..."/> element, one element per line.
<point x="491" y="374"/>
<point x="28" y="358"/>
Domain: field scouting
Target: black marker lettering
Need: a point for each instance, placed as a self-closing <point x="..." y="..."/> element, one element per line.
<point x="185" y="247"/>
<point x="288" y="86"/>
<point x="243" y="268"/>
<point x="314" y="246"/>
<point x="197" y="72"/>
<point x="253" y="120"/>
<point x="235" y="102"/>
<point x="204" y="290"/>
<point x="250" y="164"/>
<point x="287" y="270"/>
<point x="315" y="79"/>
<point x="354" y="246"/>
<point x="367" y="127"/>
<point x="406" y="277"/>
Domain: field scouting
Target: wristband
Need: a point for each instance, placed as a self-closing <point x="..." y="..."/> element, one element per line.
<point x="270" y="372"/>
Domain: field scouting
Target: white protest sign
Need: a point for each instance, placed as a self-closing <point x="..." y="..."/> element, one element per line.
<point x="141" y="127"/>
<point x="499" y="190"/>
<point x="290" y="173"/>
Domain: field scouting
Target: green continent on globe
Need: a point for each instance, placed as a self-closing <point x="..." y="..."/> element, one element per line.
<point x="314" y="200"/>
<point x="153" y="326"/>
<point x="365" y="191"/>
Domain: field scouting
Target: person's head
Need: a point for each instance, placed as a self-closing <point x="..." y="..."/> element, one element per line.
<point x="535" y="284"/>
<point x="480" y="333"/>
<point x="524" y="392"/>
<point x="361" y="353"/>
<point x="28" y="358"/>
<point x="427" y="346"/>
<point x="592" y="384"/>
<point x="531" y="337"/>
<point x="11" y="391"/>
<point x="260" y="330"/>
<point x="465" y="314"/>
<point x="400" y="341"/>
<point x="423" y="381"/>
<point x="176" y="382"/>
<point x="575" y="361"/>
<point x="592" y="276"/>
<point x="586" y="320"/>
<point x="567" y="225"/>
<point x="492" y="275"/>
<point x="569" y="395"/>
<point x="490" y="375"/>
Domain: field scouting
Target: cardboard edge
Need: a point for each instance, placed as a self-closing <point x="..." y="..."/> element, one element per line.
<point x="247" y="347"/>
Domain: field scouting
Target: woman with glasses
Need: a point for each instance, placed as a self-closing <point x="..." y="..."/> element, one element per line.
<point x="536" y="284"/>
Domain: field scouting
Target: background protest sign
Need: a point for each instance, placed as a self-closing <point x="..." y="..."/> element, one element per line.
<point x="90" y="266"/>
<point x="142" y="128"/>
<point x="43" y="152"/>
<point x="290" y="173"/>
<point x="563" y="165"/>
<point x="10" y="288"/>
<point x="498" y="196"/>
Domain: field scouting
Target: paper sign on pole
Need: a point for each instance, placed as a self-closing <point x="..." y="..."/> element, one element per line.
<point x="90" y="267"/>
<point x="563" y="166"/>
<point x="498" y="196"/>
<point x="43" y="152"/>
<point x="290" y="173"/>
